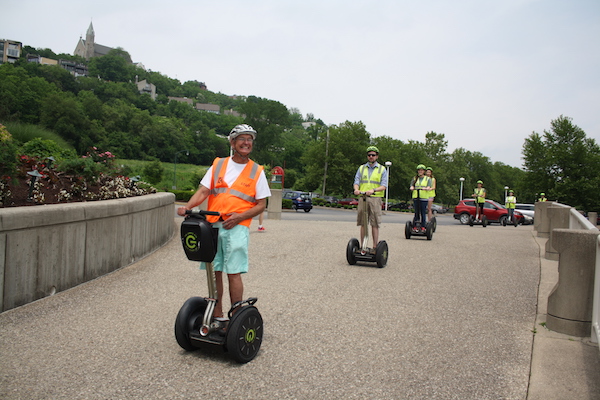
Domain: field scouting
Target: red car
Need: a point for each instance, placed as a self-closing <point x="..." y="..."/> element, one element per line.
<point x="493" y="211"/>
<point x="348" y="202"/>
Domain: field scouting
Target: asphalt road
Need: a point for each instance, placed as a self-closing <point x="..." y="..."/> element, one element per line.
<point x="340" y="214"/>
<point x="450" y="318"/>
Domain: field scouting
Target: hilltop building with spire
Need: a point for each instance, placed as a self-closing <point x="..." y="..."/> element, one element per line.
<point x="88" y="48"/>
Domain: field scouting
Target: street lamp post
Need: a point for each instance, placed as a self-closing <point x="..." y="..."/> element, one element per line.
<point x="505" y="193"/>
<point x="461" y="187"/>
<point x="387" y="165"/>
<point x="187" y="153"/>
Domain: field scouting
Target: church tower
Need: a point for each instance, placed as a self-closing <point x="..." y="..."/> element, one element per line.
<point x="89" y="42"/>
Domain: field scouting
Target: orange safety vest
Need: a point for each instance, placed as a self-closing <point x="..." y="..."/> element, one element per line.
<point x="238" y="197"/>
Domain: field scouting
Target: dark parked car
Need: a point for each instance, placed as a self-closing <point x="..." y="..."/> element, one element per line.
<point x="348" y="202"/>
<point x="300" y="200"/>
<point x="493" y="211"/>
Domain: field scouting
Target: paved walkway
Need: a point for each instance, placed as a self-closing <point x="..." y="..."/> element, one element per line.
<point x="451" y="318"/>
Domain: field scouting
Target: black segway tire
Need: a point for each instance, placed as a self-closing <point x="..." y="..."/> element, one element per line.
<point x="516" y="221"/>
<point x="429" y="230"/>
<point x="471" y="220"/>
<point x="381" y="254"/>
<point x="484" y="221"/>
<point x="434" y="224"/>
<point x="351" y="249"/>
<point x="408" y="229"/>
<point x="503" y="222"/>
<point x="244" y="334"/>
<point x="189" y="318"/>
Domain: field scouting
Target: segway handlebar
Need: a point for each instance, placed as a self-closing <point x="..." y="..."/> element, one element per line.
<point x="201" y="212"/>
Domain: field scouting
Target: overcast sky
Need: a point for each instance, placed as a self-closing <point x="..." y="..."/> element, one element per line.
<point x="484" y="73"/>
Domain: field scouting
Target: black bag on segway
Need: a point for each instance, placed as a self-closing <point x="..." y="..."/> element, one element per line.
<point x="199" y="239"/>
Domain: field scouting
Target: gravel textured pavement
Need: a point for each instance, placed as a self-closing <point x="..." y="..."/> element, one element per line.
<point x="450" y="318"/>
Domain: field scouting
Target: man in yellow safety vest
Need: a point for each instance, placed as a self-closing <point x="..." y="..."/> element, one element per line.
<point x="372" y="179"/>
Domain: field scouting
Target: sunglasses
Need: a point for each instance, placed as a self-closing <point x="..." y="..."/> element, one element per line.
<point x="371" y="155"/>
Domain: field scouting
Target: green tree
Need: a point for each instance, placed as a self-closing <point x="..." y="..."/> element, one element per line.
<point x="21" y="95"/>
<point x="564" y="164"/>
<point x="8" y="155"/>
<point x="62" y="113"/>
<point x="435" y="146"/>
<point x="269" y="118"/>
<point x="343" y="148"/>
<point x="153" y="172"/>
<point x="115" y="66"/>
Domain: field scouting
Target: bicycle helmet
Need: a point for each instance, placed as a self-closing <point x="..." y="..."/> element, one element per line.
<point x="542" y="194"/>
<point x="429" y="169"/>
<point x="373" y="148"/>
<point x="480" y="182"/>
<point x="421" y="166"/>
<point x="243" y="129"/>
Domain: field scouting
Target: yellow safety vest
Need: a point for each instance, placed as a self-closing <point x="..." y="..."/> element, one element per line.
<point x="421" y="183"/>
<point x="432" y="192"/>
<point x="371" y="182"/>
<point x="511" y="201"/>
<point x="480" y="192"/>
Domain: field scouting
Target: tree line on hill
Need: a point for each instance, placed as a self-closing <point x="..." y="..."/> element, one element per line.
<point x="105" y="110"/>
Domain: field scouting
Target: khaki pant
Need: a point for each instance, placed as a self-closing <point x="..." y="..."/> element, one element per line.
<point x="374" y="206"/>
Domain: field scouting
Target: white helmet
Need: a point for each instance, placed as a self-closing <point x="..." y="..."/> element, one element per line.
<point x="243" y="129"/>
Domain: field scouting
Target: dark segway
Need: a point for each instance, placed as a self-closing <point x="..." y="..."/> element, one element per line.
<point x="357" y="252"/>
<point x="415" y="229"/>
<point x="513" y="221"/>
<point x="195" y="326"/>
<point x="483" y="221"/>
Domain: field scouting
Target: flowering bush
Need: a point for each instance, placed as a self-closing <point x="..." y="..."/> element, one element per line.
<point x="91" y="177"/>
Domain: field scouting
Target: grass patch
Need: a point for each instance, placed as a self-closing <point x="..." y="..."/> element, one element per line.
<point x="26" y="132"/>
<point x="186" y="176"/>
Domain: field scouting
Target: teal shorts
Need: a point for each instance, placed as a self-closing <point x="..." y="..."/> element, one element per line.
<point x="232" y="250"/>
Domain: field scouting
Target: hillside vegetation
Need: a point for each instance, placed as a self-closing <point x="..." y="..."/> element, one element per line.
<point x="105" y="112"/>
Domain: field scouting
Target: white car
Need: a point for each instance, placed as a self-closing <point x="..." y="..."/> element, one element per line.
<point x="526" y="209"/>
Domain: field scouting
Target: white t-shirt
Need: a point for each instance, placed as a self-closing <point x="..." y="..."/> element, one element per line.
<point x="231" y="174"/>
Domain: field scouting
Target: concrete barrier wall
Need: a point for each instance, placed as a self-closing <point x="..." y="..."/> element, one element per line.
<point x="570" y="303"/>
<point x="558" y="218"/>
<point x="596" y="305"/>
<point x="574" y="243"/>
<point x="541" y="222"/>
<point x="50" y="248"/>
